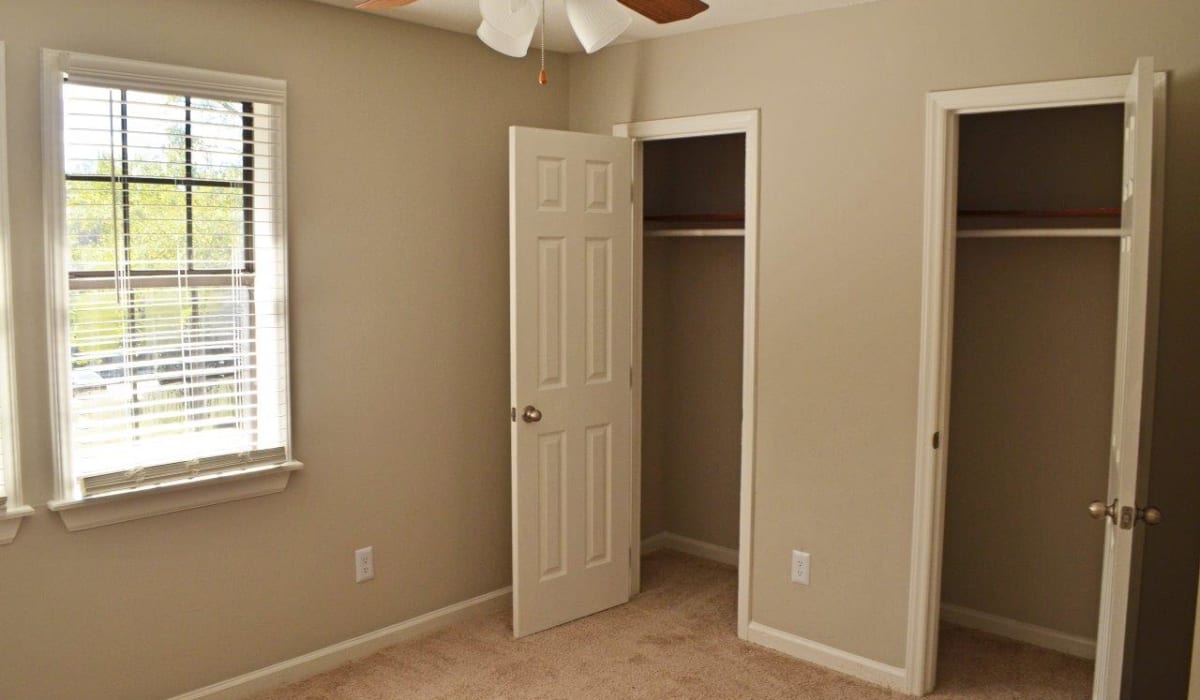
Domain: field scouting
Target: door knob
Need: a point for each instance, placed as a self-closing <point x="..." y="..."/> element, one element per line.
<point x="1149" y="515"/>
<point x="1098" y="509"/>
<point x="531" y="414"/>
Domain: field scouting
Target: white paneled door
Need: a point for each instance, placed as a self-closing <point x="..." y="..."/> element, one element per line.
<point x="571" y="344"/>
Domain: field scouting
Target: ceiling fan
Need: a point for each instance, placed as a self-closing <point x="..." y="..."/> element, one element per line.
<point x="508" y="25"/>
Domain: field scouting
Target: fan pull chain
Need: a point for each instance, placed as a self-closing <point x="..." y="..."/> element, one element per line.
<point x="542" y="77"/>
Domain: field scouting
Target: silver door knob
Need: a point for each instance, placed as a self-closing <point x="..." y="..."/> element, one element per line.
<point x="1150" y="515"/>
<point x="1099" y="509"/>
<point x="531" y="415"/>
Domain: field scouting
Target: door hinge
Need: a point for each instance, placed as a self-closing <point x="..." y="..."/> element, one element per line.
<point x="631" y="377"/>
<point x="632" y="191"/>
<point x="937" y="439"/>
<point x="513" y="414"/>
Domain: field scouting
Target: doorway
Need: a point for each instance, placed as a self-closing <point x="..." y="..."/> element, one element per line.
<point x="695" y="243"/>
<point x="1031" y="392"/>
<point x="1039" y="267"/>
<point x="578" y="248"/>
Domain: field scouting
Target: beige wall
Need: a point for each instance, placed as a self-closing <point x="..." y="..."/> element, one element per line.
<point x="692" y="388"/>
<point x="1030" y="419"/>
<point x="842" y="100"/>
<point x="398" y="215"/>
<point x="692" y="345"/>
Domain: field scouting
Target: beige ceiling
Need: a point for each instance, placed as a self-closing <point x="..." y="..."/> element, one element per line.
<point x="463" y="16"/>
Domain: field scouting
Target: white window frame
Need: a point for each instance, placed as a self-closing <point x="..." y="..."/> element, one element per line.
<point x="12" y="507"/>
<point x="78" y="511"/>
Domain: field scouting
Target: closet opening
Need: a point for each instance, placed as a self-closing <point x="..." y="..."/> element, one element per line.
<point x="695" y="238"/>
<point x="1034" y="338"/>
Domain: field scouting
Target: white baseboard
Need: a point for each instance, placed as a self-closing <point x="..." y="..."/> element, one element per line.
<point x="687" y="545"/>
<point x="835" y="659"/>
<point x="335" y="655"/>
<point x="1036" y="635"/>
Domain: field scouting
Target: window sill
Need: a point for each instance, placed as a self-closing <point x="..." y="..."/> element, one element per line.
<point x="10" y="522"/>
<point x="160" y="499"/>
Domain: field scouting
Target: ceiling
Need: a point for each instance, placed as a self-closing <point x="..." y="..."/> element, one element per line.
<point x="463" y="16"/>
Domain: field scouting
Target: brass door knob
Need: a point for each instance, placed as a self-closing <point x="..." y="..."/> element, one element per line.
<point x="531" y="415"/>
<point x="1098" y="509"/>
<point x="1150" y="515"/>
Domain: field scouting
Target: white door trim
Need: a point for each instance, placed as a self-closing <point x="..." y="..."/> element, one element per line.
<point x="937" y="314"/>
<point x="748" y="123"/>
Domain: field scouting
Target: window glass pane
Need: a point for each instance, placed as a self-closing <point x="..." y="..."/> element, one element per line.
<point x="92" y="123"/>
<point x="157" y="226"/>
<point x="97" y="320"/>
<point x="155" y="133"/>
<point x="218" y="228"/>
<point x="159" y="373"/>
<point x="219" y="140"/>
<point x="93" y="220"/>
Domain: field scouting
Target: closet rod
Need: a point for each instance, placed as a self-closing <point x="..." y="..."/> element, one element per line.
<point x="1044" y="213"/>
<point x="727" y="217"/>
<point x="694" y="232"/>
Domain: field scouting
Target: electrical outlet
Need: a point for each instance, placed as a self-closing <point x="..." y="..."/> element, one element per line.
<point x="364" y="564"/>
<point x="801" y="563"/>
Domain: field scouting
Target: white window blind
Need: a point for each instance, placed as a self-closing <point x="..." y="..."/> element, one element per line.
<point x="172" y="321"/>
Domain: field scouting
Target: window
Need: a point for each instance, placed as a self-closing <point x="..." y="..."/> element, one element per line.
<point x="169" y="241"/>
<point x="10" y="496"/>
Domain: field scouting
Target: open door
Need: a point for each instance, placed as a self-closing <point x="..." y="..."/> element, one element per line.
<point x="1128" y="458"/>
<point x="571" y="354"/>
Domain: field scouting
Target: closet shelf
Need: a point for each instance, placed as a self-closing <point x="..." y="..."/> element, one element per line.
<point x="1015" y="223"/>
<point x="695" y="225"/>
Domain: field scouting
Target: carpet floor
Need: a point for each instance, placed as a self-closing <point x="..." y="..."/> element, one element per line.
<point x="675" y="640"/>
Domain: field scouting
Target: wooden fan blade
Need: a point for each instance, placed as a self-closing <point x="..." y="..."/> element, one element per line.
<point x="382" y="4"/>
<point x="666" y="11"/>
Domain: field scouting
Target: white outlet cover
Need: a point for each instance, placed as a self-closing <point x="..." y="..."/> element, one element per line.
<point x="364" y="564"/>
<point x="801" y="566"/>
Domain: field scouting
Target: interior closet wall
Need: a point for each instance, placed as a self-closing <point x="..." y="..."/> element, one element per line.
<point x="1041" y="158"/>
<point x="692" y="345"/>
<point x="1032" y="378"/>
